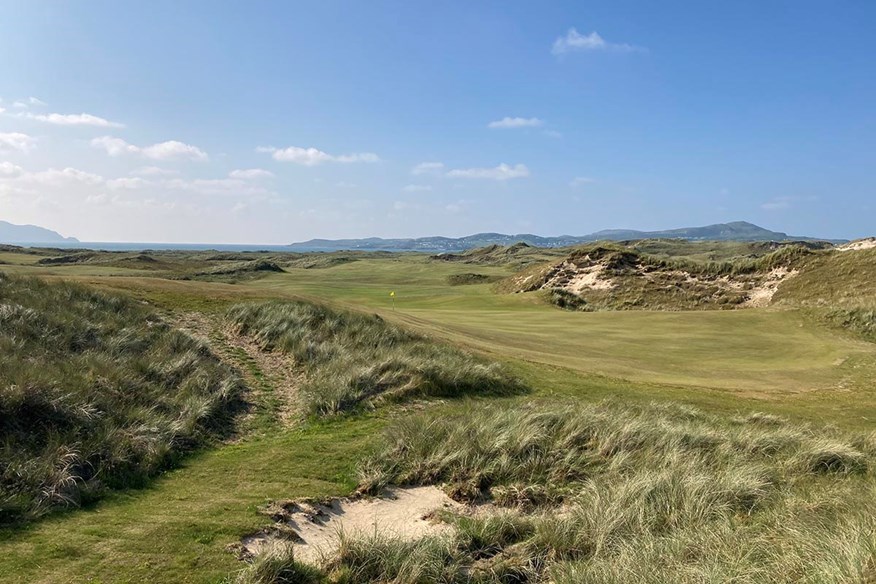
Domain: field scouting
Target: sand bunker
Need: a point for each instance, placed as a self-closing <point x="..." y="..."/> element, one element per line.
<point x="313" y="528"/>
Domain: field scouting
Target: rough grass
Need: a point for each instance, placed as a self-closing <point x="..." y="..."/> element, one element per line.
<point x="861" y="321"/>
<point x="614" y="493"/>
<point x="355" y="360"/>
<point x="96" y="392"/>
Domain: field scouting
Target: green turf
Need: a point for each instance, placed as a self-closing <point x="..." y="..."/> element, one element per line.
<point x="176" y="530"/>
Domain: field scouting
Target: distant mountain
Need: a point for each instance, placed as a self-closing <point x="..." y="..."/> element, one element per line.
<point x="736" y="231"/>
<point x="11" y="233"/>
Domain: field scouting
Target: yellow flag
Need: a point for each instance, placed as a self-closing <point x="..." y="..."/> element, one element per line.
<point x="392" y="293"/>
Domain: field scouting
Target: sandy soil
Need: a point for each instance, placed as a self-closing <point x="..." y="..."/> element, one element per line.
<point x="313" y="529"/>
<point x="762" y="294"/>
<point x="861" y="244"/>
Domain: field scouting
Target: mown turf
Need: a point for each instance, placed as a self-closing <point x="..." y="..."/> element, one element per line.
<point x="177" y="529"/>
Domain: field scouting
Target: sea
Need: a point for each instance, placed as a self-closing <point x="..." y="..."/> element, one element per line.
<point x="133" y="246"/>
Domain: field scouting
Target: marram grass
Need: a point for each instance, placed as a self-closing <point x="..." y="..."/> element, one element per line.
<point x="356" y="360"/>
<point x="611" y="493"/>
<point x="96" y="392"/>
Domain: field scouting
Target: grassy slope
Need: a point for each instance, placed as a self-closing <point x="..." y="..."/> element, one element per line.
<point x="760" y="354"/>
<point x="95" y="392"/>
<point x="191" y="511"/>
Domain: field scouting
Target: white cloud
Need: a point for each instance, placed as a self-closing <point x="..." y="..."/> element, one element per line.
<point x="173" y="149"/>
<point x="579" y="181"/>
<point x="75" y="120"/>
<point x="153" y="171"/>
<point x="2" y="109"/>
<point x="170" y="150"/>
<point x="127" y="183"/>
<point x="19" y="105"/>
<point x="62" y="177"/>
<point x="416" y="188"/>
<point x="501" y="172"/>
<point x="777" y="204"/>
<point x="428" y="168"/>
<point x="9" y="170"/>
<point x="575" y="41"/>
<point x="34" y="101"/>
<point x="216" y="186"/>
<point x="313" y="156"/>
<point x="16" y="141"/>
<point x="508" y="122"/>
<point x="250" y="173"/>
<point x="114" y="146"/>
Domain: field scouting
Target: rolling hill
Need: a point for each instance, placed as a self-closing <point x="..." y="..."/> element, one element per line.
<point x="11" y="233"/>
<point x="735" y="231"/>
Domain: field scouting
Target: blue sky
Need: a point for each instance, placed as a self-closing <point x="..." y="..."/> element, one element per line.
<point x="272" y="122"/>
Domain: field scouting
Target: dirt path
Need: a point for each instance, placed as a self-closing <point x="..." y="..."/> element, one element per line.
<point x="273" y="383"/>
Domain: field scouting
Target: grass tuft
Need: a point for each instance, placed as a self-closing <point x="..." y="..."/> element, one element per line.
<point x="356" y="360"/>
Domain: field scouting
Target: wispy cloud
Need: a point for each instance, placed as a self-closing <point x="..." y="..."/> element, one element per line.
<point x="153" y="171"/>
<point x="250" y="173"/>
<point x="416" y="188"/>
<point x="16" y="141"/>
<point x="575" y="41"/>
<point x="314" y="156"/>
<point x="62" y="177"/>
<point x="170" y="150"/>
<point x="778" y="203"/>
<point x="128" y="183"/>
<point x="580" y="181"/>
<point x="509" y="122"/>
<point x="427" y="168"/>
<point x="501" y="172"/>
<point x="74" y="120"/>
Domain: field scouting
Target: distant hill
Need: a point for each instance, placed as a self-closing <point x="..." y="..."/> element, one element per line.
<point x="11" y="233"/>
<point x="736" y="231"/>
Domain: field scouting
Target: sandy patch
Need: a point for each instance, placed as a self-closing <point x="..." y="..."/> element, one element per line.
<point x="762" y="294"/>
<point x="589" y="279"/>
<point x="868" y="243"/>
<point x="312" y="529"/>
<point x="575" y="279"/>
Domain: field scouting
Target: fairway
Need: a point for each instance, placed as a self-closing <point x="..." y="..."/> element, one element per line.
<point x="757" y="351"/>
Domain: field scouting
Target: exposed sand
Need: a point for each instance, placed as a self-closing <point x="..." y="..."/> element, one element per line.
<point x="762" y="294"/>
<point x="868" y="243"/>
<point x="312" y="529"/>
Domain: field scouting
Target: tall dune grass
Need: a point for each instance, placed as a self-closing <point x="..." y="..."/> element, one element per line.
<point x="96" y="392"/>
<point x="356" y="360"/>
<point x="614" y="493"/>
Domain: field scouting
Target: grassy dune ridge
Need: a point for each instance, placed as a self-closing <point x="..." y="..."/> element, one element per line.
<point x="355" y="360"/>
<point x="612" y="493"/>
<point x="96" y="392"/>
